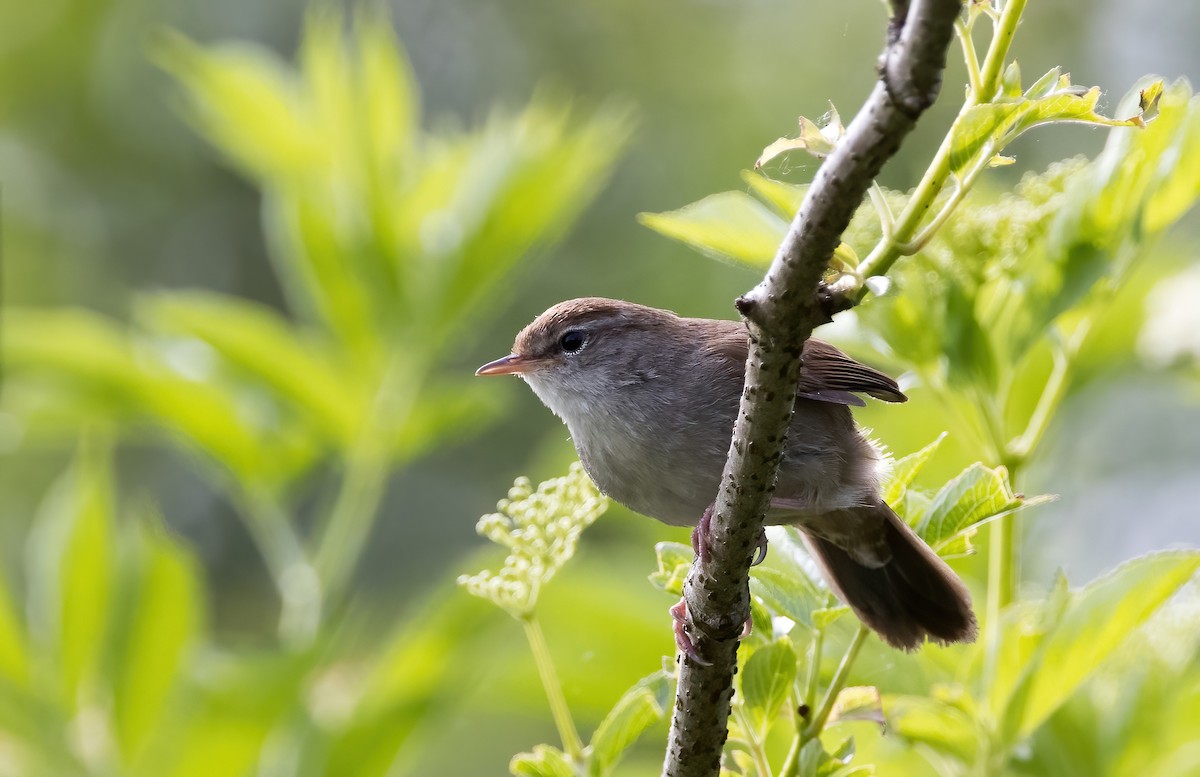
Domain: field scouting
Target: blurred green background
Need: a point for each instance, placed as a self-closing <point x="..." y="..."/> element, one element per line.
<point x="139" y="168"/>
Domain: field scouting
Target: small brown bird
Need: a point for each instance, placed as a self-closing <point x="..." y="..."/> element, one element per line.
<point x="650" y="400"/>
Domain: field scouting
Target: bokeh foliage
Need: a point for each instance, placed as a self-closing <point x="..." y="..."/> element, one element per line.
<point x="390" y="236"/>
<point x="389" y="242"/>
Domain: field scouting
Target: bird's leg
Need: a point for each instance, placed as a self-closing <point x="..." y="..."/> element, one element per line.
<point x="683" y="640"/>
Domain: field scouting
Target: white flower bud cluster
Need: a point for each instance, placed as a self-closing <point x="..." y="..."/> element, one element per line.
<point x="541" y="530"/>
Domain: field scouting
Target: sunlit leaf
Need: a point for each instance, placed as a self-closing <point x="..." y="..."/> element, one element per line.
<point x="674" y="562"/>
<point x="246" y="101"/>
<point x="71" y="562"/>
<point x="637" y="710"/>
<point x="155" y="641"/>
<point x="14" y="659"/>
<point x="784" y="197"/>
<point x="935" y="723"/>
<point x="787" y="593"/>
<point x="544" y="761"/>
<point x="904" y="471"/>
<point x="767" y="680"/>
<point x="974" y="495"/>
<point x="984" y="130"/>
<point x="730" y="225"/>
<point x="1093" y="623"/>
<point x="259" y="342"/>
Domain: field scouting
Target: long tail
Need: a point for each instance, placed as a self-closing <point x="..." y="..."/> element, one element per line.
<point x="908" y="593"/>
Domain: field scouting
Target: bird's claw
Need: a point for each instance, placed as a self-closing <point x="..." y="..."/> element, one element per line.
<point x="683" y="640"/>
<point x="761" y="555"/>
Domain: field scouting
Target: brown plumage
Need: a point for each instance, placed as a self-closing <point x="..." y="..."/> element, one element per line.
<point x="650" y="399"/>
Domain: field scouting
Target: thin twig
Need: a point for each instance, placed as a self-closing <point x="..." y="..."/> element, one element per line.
<point x="780" y="313"/>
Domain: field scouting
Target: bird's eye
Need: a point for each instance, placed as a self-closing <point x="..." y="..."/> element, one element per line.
<point x="571" y="341"/>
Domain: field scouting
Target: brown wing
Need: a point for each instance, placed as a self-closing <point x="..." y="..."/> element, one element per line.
<point x="826" y="369"/>
<point x="828" y="374"/>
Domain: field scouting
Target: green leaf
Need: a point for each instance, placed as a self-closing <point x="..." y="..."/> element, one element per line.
<point x="244" y="100"/>
<point x="791" y="594"/>
<point x="730" y="225"/>
<point x="674" y="562"/>
<point x="968" y="348"/>
<point x="857" y="703"/>
<point x="827" y="616"/>
<point x="14" y="658"/>
<point x="544" y="761"/>
<point x="641" y="706"/>
<point x="935" y="723"/>
<point x="767" y="680"/>
<point x="984" y="130"/>
<point x="1093" y="623"/>
<point x="157" y="638"/>
<point x="259" y="342"/>
<point x="71" y="562"/>
<point x="784" y="197"/>
<point x="974" y="495"/>
<point x="904" y="471"/>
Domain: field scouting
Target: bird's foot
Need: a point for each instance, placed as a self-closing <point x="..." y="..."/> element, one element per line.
<point x="761" y="555"/>
<point x="702" y="532"/>
<point x="683" y="640"/>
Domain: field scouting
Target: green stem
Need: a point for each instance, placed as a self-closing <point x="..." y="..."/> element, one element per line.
<point x="993" y="63"/>
<point x="817" y="724"/>
<point x="814" y="672"/>
<point x="753" y="744"/>
<point x="971" y="59"/>
<point x="572" y="744"/>
<point x="887" y="251"/>
<point x="791" y="764"/>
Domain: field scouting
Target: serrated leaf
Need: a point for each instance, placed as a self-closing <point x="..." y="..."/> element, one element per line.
<point x="904" y="471"/>
<point x="674" y="562"/>
<point x="790" y="594"/>
<point x="975" y="494"/>
<point x="544" y="761"/>
<point x="730" y="225"/>
<point x="1093" y="623"/>
<point x="984" y="130"/>
<point x="767" y="680"/>
<point x="641" y="706"/>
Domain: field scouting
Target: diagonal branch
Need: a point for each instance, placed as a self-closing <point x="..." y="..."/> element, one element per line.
<point x="781" y="313"/>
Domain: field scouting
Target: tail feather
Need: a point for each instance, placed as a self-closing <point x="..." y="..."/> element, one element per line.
<point x="910" y="596"/>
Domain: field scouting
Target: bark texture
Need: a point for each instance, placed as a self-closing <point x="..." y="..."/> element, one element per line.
<point x="781" y="313"/>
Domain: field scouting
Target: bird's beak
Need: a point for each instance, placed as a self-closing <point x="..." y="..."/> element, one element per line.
<point x="512" y="364"/>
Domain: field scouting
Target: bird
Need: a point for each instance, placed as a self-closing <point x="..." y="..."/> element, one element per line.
<point x="650" y="399"/>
